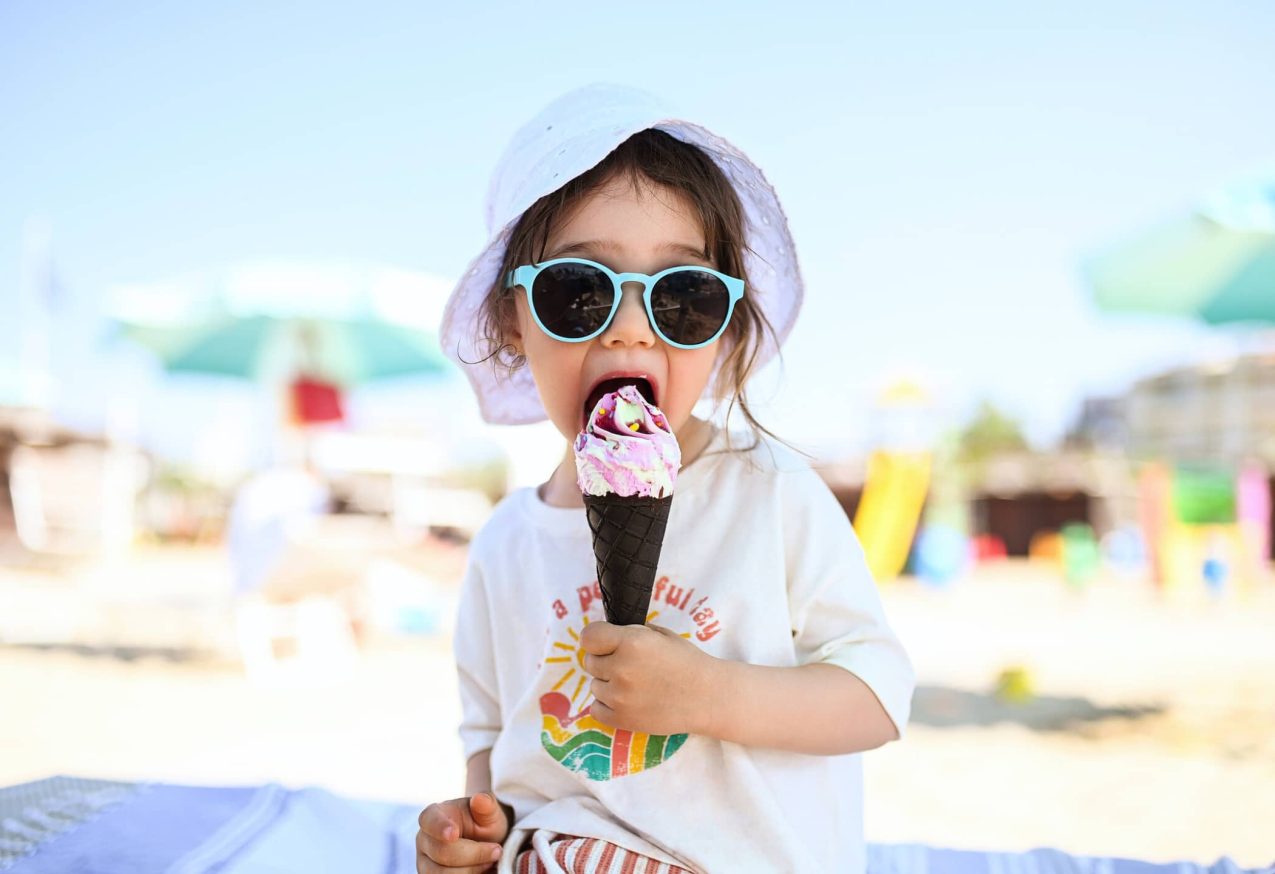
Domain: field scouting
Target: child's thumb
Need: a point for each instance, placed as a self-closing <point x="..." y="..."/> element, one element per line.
<point x="486" y="812"/>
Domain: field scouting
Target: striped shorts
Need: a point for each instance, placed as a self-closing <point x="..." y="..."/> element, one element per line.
<point x="551" y="854"/>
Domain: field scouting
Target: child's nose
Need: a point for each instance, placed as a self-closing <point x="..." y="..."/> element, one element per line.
<point x="630" y="327"/>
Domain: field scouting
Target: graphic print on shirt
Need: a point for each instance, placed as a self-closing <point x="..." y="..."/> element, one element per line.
<point x="569" y="732"/>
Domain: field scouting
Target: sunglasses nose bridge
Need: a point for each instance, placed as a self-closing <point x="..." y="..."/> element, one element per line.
<point x="629" y="323"/>
<point x="631" y="282"/>
<point x="632" y="279"/>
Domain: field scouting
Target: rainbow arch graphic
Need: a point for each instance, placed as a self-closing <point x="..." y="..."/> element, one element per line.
<point x="596" y="750"/>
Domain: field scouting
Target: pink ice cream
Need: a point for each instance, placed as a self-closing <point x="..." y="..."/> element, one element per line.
<point x="627" y="448"/>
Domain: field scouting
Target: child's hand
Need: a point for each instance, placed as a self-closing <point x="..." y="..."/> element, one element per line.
<point x="463" y="834"/>
<point x="647" y="678"/>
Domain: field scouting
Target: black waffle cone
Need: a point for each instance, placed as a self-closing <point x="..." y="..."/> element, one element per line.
<point x="628" y="534"/>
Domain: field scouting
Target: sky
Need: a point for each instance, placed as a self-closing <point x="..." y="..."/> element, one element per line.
<point x="945" y="169"/>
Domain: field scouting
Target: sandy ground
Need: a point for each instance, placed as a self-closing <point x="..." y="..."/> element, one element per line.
<point x="1151" y="733"/>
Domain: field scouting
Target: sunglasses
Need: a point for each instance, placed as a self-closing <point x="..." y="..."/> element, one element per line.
<point x="574" y="300"/>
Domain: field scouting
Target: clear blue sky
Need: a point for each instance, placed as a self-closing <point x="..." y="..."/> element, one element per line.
<point x="944" y="166"/>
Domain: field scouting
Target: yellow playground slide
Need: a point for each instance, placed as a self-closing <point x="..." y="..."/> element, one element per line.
<point x="890" y="509"/>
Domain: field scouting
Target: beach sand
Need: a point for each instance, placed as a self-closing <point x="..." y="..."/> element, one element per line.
<point x="1151" y="732"/>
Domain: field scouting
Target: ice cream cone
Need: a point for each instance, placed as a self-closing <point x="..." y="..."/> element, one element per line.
<point x="628" y="534"/>
<point x="627" y="461"/>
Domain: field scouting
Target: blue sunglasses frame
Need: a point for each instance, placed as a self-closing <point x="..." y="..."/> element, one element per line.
<point x="527" y="273"/>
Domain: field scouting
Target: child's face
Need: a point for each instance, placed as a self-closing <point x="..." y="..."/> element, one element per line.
<point x="642" y="231"/>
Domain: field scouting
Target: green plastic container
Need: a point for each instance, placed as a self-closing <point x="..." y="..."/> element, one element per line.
<point x="1204" y="496"/>
<point x="1081" y="556"/>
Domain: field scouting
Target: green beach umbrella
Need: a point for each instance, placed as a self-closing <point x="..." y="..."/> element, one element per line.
<point x="254" y="347"/>
<point x="271" y="321"/>
<point x="1217" y="264"/>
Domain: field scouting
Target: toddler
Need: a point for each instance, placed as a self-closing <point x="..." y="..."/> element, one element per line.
<point x="722" y="735"/>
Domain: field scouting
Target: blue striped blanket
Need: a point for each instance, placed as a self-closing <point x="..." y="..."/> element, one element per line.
<point x="67" y="824"/>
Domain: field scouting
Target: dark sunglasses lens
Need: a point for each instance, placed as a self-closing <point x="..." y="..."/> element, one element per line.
<point x="690" y="306"/>
<point x="572" y="300"/>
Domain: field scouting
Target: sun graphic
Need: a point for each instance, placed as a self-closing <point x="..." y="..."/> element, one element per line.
<point x="580" y="742"/>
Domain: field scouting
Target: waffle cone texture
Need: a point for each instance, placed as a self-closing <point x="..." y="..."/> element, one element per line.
<point x="628" y="534"/>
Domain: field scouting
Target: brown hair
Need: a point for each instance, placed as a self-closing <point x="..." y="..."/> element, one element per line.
<point x="663" y="160"/>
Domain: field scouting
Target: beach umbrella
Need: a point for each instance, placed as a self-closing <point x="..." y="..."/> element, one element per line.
<point x="267" y="322"/>
<point x="1216" y="264"/>
<point x="348" y="352"/>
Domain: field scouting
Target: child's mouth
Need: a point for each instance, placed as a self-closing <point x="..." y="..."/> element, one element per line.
<point x="643" y="386"/>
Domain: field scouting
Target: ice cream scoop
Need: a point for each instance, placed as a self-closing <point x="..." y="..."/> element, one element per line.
<point x="627" y="448"/>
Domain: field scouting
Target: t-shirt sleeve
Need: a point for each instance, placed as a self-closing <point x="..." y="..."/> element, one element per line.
<point x="473" y="649"/>
<point x="833" y="601"/>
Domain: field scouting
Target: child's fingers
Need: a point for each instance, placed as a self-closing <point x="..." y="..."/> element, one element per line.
<point x="443" y="821"/>
<point x="429" y="867"/>
<point x="601" y="638"/>
<point x="597" y="665"/>
<point x="489" y="819"/>
<point x="452" y="855"/>
<point x="602" y="713"/>
<point x="600" y="689"/>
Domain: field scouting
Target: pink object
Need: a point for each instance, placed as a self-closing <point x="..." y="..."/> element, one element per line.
<point x="989" y="547"/>
<point x="627" y="448"/>
<point x="1253" y="507"/>
<point x="1155" y="492"/>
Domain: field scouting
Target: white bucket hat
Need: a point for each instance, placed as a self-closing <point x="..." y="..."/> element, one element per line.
<point x="567" y="138"/>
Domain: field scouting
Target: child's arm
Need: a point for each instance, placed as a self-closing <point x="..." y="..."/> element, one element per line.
<point x="478" y="773"/>
<point x="649" y="679"/>
<point x="818" y="708"/>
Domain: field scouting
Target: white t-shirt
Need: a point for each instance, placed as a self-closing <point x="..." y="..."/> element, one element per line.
<point x="760" y="565"/>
